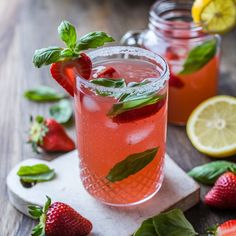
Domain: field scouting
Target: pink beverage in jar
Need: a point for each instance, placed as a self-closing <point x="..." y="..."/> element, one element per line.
<point x="121" y="115"/>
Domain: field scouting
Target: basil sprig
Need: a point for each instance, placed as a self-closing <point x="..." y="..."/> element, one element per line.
<point x="67" y="34"/>
<point x="61" y="112"/>
<point x="131" y="165"/>
<point x="43" y="94"/>
<point x="35" y="173"/>
<point x="210" y="172"/>
<point x="199" y="56"/>
<point x="171" y="223"/>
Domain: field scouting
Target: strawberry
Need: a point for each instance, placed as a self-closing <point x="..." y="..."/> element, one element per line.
<point x="171" y="55"/>
<point x="59" y="219"/>
<point x="106" y="72"/>
<point x="228" y="228"/>
<point x="139" y="113"/>
<point x="65" y="72"/>
<point x="50" y="136"/>
<point x="223" y="194"/>
<point x="175" y="81"/>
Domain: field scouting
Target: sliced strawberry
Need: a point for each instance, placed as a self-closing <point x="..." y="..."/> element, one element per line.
<point x="139" y="113"/>
<point x="106" y="72"/>
<point x="227" y="229"/>
<point x="65" y="72"/>
<point x="175" y="81"/>
<point x="171" y="55"/>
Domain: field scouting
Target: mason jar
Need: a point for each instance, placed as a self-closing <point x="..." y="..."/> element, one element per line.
<point x="192" y="55"/>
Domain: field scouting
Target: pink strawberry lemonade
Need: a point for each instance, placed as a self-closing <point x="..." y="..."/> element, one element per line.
<point x="107" y="144"/>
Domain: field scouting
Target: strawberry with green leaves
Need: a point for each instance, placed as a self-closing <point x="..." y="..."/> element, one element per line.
<point x="228" y="228"/>
<point x="49" y="135"/>
<point x="59" y="219"/>
<point x="67" y="63"/>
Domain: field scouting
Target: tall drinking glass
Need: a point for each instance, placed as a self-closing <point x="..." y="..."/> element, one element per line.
<point x="121" y="129"/>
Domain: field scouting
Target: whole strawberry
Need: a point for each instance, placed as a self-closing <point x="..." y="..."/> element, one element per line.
<point x="228" y="228"/>
<point x="223" y="194"/>
<point x="59" y="219"/>
<point x="50" y="136"/>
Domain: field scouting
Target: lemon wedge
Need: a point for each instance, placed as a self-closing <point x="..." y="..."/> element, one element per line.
<point x="216" y="16"/>
<point x="212" y="126"/>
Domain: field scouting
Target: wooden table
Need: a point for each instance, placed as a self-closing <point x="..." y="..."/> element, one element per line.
<point x="30" y="24"/>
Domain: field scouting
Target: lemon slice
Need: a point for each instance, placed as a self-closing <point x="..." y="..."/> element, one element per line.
<point x="212" y="126"/>
<point x="216" y="16"/>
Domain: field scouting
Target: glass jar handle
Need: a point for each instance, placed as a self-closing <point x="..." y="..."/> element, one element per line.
<point x="133" y="38"/>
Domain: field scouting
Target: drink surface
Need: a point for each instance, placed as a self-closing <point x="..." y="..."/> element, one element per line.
<point x="104" y="142"/>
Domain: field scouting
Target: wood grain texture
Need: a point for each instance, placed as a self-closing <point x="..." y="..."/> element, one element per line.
<point x="30" y="24"/>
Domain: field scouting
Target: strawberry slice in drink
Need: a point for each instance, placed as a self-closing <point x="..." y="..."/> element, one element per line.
<point x="107" y="72"/>
<point x="65" y="72"/>
<point x="139" y="113"/>
<point x="175" y="81"/>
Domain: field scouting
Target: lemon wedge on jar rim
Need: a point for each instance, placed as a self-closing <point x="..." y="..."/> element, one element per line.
<point x="212" y="126"/>
<point x="215" y="16"/>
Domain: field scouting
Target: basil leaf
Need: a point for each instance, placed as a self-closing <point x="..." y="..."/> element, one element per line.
<point x="67" y="53"/>
<point x="67" y="33"/>
<point x="61" y="111"/>
<point x="46" y="56"/>
<point x="199" y="57"/>
<point x="35" y="173"/>
<point x="209" y="173"/>
<point x="146" y="229"/>
<point x="43" y="94"/>
<point x="93" y="40"/>
<point x="131" y="165"/>
<point x="173" y="223"/>
<point x="110" y="83"/>
<point x="130" y="102"/>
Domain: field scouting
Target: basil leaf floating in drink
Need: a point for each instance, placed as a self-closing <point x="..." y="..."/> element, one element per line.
<point x="35" y="173"/>
<point x="109" y="83"/>
<point x="67" y="33"/>
<point x="131" y="165"/>
<point x="209" y="173"/>
<point x="171" y="223"/>
<point x="62" y="111"/>
<point x="43" y="94"/>
<point x="199" y="56"/>
<point x="93" y="40"/>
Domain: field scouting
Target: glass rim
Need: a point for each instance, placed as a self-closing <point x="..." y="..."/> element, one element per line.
<point x="155" y="84"/>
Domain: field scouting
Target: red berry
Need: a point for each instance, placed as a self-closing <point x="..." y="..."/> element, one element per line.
<point x="223" y="194"/>
<point x="171" y="54"/>
<point x="106" y="72"/>
<point x="65" y="72"/>
<point x="175" y="81"/>
<point x="50" y="136"/>
<point x="227" y="229"/>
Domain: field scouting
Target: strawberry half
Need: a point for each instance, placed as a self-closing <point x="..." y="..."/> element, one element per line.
<point x="171" y="55"/>
<point x="50" y="136"/>
<point x="223" y="194"/>
<point x="59" y="219"/>
<point x="106" y="72"/>
<point x="65" y="72"/>
<point x="228" y="228"/>
<point x="139" y="113"/>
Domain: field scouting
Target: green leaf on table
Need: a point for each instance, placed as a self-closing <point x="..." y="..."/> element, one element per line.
<point x="146" y="229"/>
<point x="199" y="56"/>
<point x="210" y="172"/>
<point x="131" y="165"/>
<point x="35" y="173"/>
<point x="46" y="56"/>
<point x="43" y="94"/>
<point x="67" y="33"/>
<point x="109" y="83"/>
<point x="93" y="40"/>
<point x="173" y="223"/>
<point x="61" y="112"/>
<point x="130" y="102"/>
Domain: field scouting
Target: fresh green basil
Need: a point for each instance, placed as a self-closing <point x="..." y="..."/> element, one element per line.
<point x="93" y="40"/>
<point x="209" y="173"/>
<point x="35" y="173"/>
<point x="130" y="102"/>
<point x="62" y="111"/>
<point x="43" y="94"/>
<point x="146" y="229"/>
<point x="131" y="165"/>
<point x="199" y="56"/>
<point x="67" y="33"/>
<point x="46" y="56"/>
<point x="173" y="223"/>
